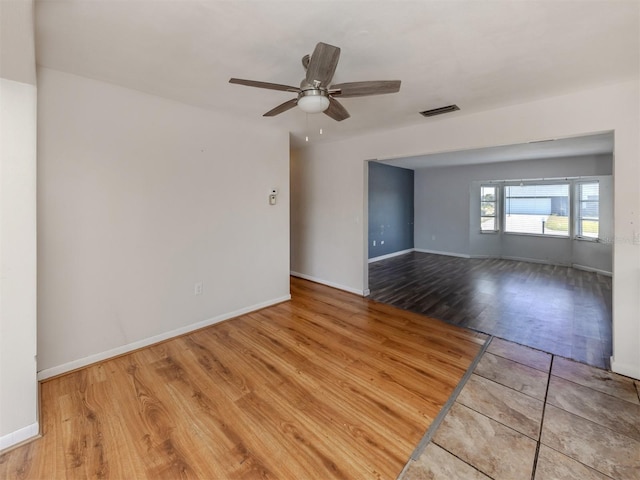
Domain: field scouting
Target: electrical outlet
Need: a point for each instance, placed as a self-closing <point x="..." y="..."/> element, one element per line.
<point x="374" y="243"/>
<point x="197" y="288"/>
<point x="381" y="242"/>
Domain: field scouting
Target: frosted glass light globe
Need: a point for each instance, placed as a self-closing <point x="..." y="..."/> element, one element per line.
<point x="313" y="103"/>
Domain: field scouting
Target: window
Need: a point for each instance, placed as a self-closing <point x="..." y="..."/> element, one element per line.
<point x="488" y="208"/>
<point x="588" y="210"/>
<point x="538" y="209"/>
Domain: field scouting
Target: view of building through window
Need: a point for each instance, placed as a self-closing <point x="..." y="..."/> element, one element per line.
<point x="537" y="209"/>
<point x="542" y="208"/>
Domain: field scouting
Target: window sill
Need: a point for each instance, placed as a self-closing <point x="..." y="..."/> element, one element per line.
<point x="587" y="239"/>
<point x="540" y="235"/>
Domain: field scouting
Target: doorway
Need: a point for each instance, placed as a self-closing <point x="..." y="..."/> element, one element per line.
<point x="516" y="287"/>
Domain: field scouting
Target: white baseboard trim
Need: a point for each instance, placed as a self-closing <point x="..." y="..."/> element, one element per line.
<point x="391" y="255"/>
<point x="362" y="293"/>
<point x="114" y="352"/>
<point x="627" y="370"/>
<point x="19" y="436"/>
<point x="591" y="269"/>
<point x="438" y="252"/>
<point x="366" y="293"/>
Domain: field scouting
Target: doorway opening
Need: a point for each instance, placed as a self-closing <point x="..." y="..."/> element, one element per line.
<point x="550" y="292"/>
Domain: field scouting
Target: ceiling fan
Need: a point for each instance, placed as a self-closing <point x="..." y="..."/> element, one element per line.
<point x="316" y="93"/>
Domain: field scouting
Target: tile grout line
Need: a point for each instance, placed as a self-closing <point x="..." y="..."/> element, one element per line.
<point x="544" y="408"/>
<point x="539" y="443"/>
<point x="464" y="461"/>
<point x="449" y="403"/>
<point x="595" y="390"/>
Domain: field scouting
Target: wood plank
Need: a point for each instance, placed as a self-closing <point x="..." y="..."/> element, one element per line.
<point x="557" y="309"/>
<point x="329" y="385"/>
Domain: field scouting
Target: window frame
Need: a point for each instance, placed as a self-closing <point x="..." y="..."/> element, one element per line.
<point x="524" y="183"/>
<point x="578" y="217"/>
<point x="496" y="208"/>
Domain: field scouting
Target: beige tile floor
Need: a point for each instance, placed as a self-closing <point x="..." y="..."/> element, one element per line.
<point x="525" y="414"/>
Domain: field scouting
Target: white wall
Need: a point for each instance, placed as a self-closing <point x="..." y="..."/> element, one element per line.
<point x="18" y="385"/>
<point x="330" y="242"/>
<point x="139" y="199"/>
<point x="327" y="219"/>
<point x="447" y="197"/>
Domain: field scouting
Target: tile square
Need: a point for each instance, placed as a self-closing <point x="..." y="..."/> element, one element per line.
<point x="611" y="412"/>
<point x="596" y="378"/>
<point x="435" y="463"/>
<point x="496" y="450"/>
<point x="503" y="404"/>
<point x="598" y="447"/>
<point x="512" y="374"/>
<point x="521" y="354"/>
<point x="553" y="465"/>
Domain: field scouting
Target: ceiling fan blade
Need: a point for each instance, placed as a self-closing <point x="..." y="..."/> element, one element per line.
<point x="267" y="85"/>
<point x="322" y="64"/>
<point x="289" y="104"/>
<point x="336" y="110"/>
<point x="362" y="89"/>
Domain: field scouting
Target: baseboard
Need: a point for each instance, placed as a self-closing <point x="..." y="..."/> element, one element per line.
<point x="391" y="255"/>
<point x="22" y="435"/>
<point x="627" y="370"/>
<point x="114" y="352"/>
<point x="591" y="269"/>
<point x="438" y="252"/>
<point x="362" y="293"/>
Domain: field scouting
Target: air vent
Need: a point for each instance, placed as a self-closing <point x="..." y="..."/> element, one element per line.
<point x="439" y="111"/>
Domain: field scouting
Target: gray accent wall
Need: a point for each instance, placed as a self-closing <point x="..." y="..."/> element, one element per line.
<point x="391" y="209"/>
<point x="447" y="199"/>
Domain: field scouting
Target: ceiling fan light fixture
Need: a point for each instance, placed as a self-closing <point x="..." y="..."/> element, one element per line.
<point x="313" y="101"/>
<point x="317" y="93"/>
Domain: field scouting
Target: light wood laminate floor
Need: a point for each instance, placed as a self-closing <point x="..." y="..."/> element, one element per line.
<point x="560" y="310"/>
<point x="328" y="385"/>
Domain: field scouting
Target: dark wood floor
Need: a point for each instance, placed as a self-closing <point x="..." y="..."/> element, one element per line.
<point x="560" y="310"/>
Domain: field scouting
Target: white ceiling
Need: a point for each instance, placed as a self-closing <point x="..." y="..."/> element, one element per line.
<point x="599" y="144"/>
<point x="476" y="54"/>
